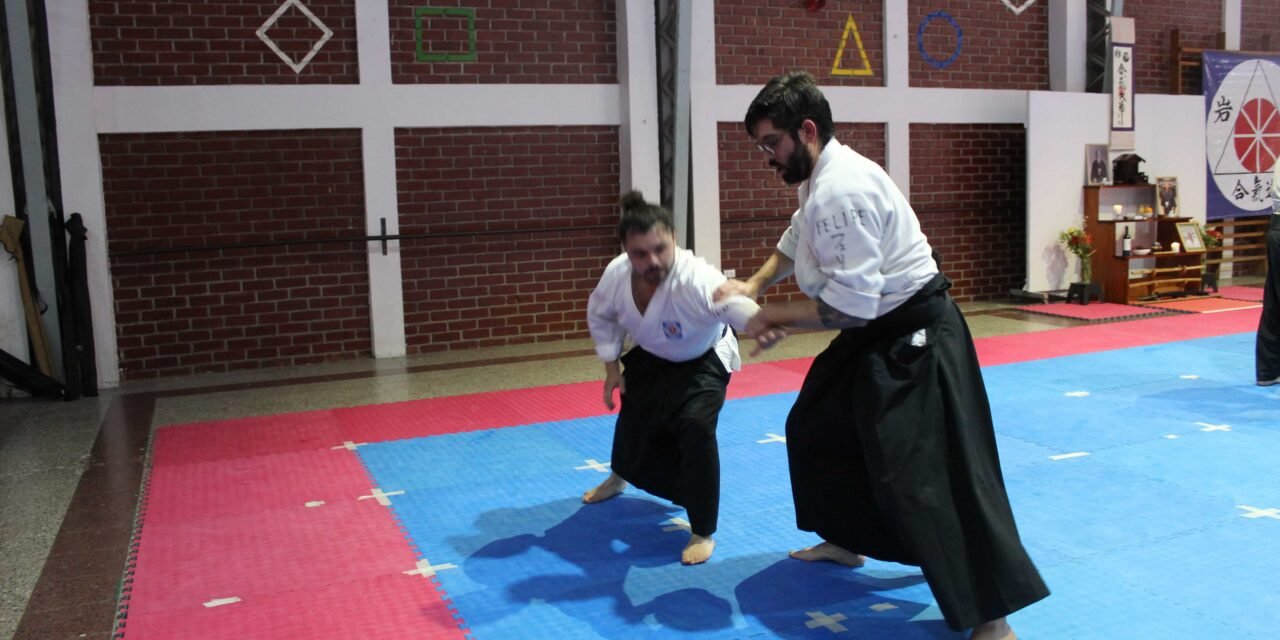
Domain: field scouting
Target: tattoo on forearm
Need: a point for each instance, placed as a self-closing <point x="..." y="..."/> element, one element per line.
<point x="833" y="318"/>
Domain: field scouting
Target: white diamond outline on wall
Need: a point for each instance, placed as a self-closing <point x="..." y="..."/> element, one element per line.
<point x="1017" y="11"/>
<point x="266" y="26"/>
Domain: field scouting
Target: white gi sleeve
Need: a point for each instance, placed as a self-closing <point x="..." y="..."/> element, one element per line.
<point x="602" y="318"/>
<point x="698" y="297"/>
<point x="790" y="238"/>
<point x="846" y="239"/>
<point x="736" y="310"/>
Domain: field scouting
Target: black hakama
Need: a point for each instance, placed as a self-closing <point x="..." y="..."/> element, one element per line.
<point x="665" y="438"/>
<point x="1267" y="361"/>
<point x="893" y="455"/>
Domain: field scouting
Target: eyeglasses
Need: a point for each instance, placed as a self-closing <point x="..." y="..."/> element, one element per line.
<point x="769" y="143"/>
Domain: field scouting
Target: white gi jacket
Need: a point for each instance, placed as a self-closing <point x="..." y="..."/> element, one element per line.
<point x="681" y="321"/>
<point x="855" y="241"/>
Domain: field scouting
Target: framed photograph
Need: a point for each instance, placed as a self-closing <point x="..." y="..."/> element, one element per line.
<point x="1167" y="199"/>
<point x="1189" y="235"/>
<point x="1097" y="164"/>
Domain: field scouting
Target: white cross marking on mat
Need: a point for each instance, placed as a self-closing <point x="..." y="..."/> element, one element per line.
<point x="1076" y="394"/>
<point x="218" y="602"/>
<point x="883" y="606"/>
<point x="821" y="619"/>
<point x="1213" y="427"/>
<point x="1064" y="456"/>
<point x="426" y="569"/>
<point x="382" y="497"/>
<point x="1171" y="437"/>
<point x="1255" y="512"/>
<point x="678" y="524"/>
<point x="1190" y="376"/>
<point x="592" y="463"/>
<point x="349" y="445"/>
<point x="314" y="503"/>
<point x="773" y="437"/>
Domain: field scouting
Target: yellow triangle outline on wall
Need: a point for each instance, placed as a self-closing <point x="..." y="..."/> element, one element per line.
<point x="836" y="70"/>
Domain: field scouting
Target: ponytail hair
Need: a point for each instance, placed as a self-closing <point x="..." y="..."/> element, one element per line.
<point x="639" y="216"/>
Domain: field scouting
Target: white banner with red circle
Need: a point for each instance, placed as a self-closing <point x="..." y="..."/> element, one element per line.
<point x="1242" y="131"/>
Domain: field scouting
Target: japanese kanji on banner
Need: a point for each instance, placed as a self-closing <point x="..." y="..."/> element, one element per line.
<point x="1242" y="131"/>
<point x="1122" y="65"/>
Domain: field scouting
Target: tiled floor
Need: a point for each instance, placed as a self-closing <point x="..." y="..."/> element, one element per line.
<point x="70" y="472"/>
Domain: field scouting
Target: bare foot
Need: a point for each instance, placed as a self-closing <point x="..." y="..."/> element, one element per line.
<point x="612" y="486"/>
<point x="996" y="629"/>
<point x="698" y="550"/>
<point x="827" y="552"/>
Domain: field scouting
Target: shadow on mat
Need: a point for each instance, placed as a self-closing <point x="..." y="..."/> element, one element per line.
<point x="580" y="567"/>
<point x="783" y="595"/>
<point x="1241" y="404"/>
<point x="612" y="566"/>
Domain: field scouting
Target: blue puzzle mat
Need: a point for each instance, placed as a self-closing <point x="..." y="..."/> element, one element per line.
<point x="1145" y="481"/>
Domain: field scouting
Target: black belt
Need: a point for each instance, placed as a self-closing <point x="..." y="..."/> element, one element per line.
<point x="922" y="309"/>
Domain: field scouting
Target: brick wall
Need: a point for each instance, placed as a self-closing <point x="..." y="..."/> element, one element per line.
<point x="756" y="205"/>
<point x="999" y="50"/>
<point x="968" y="186"/>
<point x="1260" y="30"/>
<point x="759" y="39"/>
<point x="185" y="42"/>
<point x="191" y="312"/>
<point x="524" y="221"/>
<point x="1200" y="22"/>
<point x="525" y="42"/>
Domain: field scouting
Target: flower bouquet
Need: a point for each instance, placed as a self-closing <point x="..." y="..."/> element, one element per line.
<point x="1210" y="236"/>
<point x="1077" y="242"/>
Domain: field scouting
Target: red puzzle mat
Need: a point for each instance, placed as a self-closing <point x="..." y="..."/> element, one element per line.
<point x="1207" y="305"/>
<point x="1093" y="312"/>
<point x="1242" y="293"/>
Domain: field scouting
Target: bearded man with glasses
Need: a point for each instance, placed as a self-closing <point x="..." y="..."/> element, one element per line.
<point x="890" y="443"/>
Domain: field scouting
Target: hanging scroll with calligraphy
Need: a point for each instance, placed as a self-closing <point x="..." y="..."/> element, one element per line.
<point x="1122" y="37"/>
<point x="1242" y="131"/>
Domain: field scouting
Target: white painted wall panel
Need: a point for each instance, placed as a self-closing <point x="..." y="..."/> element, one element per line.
<point x="1170" y="137"/>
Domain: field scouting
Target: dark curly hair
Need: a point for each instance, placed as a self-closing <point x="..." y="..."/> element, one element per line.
<point x="788" y="100"/>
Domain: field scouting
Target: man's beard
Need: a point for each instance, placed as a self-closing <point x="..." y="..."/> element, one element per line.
<point x="798" y="167"/>
<point x="655" y="275"/>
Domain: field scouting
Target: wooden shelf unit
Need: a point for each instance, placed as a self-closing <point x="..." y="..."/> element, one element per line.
<point x="1183" y="59"/>
<point x="1133" y="279"/>
<point x="1186" y="61"/>
<point x="1247" y="248"/>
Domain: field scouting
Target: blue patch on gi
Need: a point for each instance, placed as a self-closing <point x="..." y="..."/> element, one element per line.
<point x="673" y="330"/>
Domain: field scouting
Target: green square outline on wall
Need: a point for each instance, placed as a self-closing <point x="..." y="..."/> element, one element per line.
<point x="459" y="12"/>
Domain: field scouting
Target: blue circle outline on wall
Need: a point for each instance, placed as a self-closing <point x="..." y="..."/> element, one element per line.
<point x="939" y="64"/>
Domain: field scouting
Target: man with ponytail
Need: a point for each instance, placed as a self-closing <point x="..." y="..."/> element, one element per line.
<point x="672" y="381"/>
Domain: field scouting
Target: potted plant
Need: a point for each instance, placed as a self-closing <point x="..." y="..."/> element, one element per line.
<point x="1077" y="242"/>
<point x="1210" y="237"/>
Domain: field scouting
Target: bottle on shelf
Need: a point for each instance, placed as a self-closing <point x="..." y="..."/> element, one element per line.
<point x="1126" y="243"/>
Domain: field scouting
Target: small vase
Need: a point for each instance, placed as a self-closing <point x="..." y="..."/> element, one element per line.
<point x="1086" y="271"/>
<point x="1209" y="278"/>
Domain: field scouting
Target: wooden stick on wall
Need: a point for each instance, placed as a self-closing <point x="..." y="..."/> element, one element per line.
<point x="10" y="235"/>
